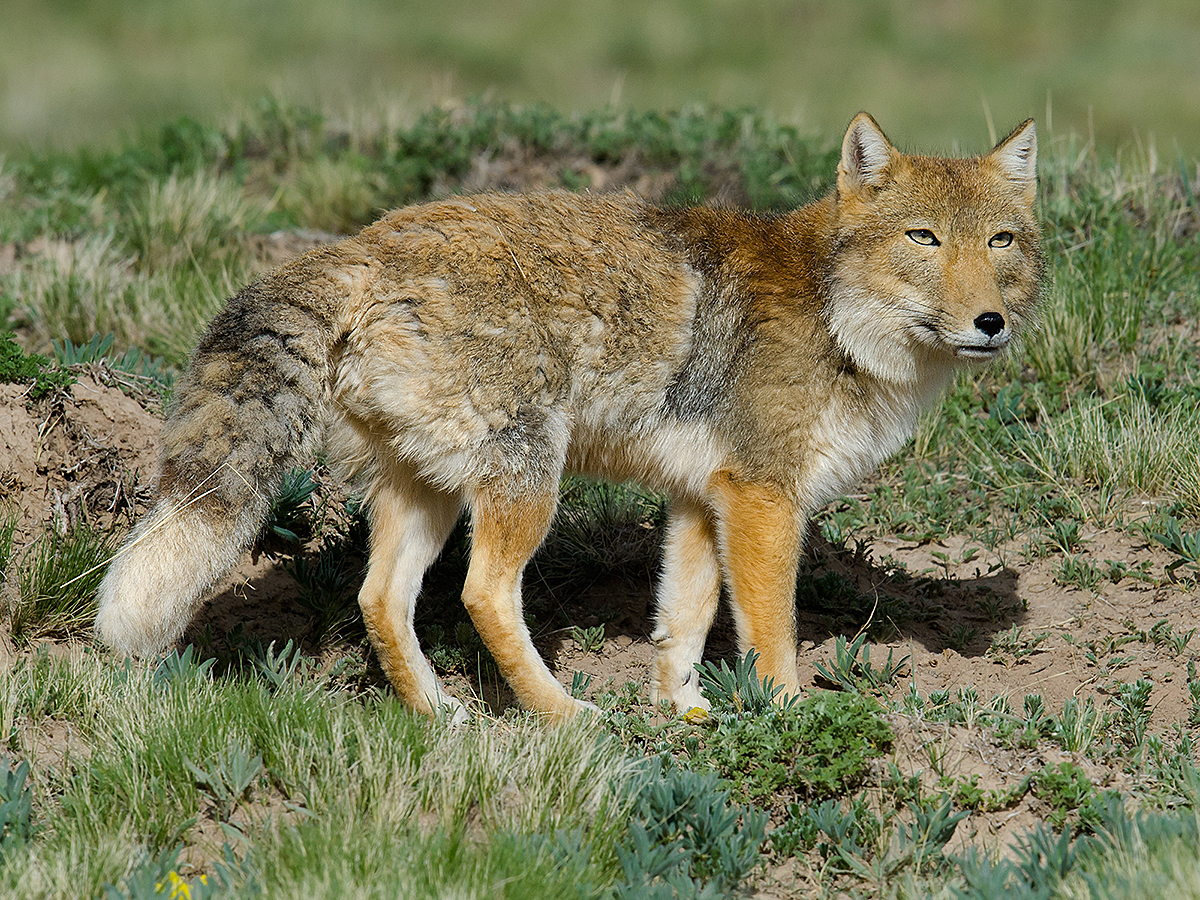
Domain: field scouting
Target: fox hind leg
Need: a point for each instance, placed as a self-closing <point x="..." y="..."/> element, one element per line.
<point x="688" y="593"/>
<point x="506" y="530"/>
<point x="410" y="523"/>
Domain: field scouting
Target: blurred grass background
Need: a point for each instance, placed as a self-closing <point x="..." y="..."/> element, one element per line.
<point x="937" y="73"/>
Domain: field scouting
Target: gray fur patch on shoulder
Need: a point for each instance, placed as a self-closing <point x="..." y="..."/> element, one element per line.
<point x="703" y="385"/>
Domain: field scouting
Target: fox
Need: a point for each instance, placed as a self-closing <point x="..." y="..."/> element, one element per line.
<point x="462" y="356"/>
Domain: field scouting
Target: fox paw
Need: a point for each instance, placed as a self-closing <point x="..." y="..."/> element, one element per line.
<point x="683" y="699"/>
<point x="573" y="709"/>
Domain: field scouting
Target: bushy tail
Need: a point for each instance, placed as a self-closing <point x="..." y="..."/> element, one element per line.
<point x="251" y="406"/>
<point x="168" y="565"/>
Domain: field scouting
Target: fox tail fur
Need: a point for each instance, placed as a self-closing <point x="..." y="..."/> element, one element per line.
<point x="251" y="406"/>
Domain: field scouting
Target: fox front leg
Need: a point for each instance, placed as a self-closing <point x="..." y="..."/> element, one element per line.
<point x="689" y="589"/>
<point x="760" y="530"/>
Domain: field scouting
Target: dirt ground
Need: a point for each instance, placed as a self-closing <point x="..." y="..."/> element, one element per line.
<point x="90" y="453"/>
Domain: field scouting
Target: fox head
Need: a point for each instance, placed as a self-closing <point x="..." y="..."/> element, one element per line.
<point x="937" y="261"/>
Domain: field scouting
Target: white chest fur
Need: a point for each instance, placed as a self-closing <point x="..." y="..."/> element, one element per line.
<point x="855" y="434"/>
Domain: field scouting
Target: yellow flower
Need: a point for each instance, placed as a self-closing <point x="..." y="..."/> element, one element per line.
<point x="180" y="889"/>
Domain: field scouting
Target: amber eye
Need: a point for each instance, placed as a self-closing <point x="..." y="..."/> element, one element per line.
<point x="924" y="237"/>
<point x="1000" y="240"/>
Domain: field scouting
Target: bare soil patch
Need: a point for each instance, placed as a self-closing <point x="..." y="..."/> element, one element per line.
<point x="85" y="454"/>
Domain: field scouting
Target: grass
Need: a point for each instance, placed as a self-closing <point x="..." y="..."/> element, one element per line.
<point x="57" y="583"/>
<point x="291" y="772"/>
<point x="313" y="789"/>
<point x="1120" y="72"/>
<point x="19" y="367"/>
<point x="285" y="780"/>
<point x="148" y="240"/>
<point x="1147" y="858"/>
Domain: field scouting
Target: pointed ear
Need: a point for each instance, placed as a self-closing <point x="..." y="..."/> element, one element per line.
<point x="866" y="152"/>
<point x="1016" y="158"/>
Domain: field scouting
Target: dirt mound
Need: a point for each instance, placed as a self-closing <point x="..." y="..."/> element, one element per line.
<point x="86" y="454"/>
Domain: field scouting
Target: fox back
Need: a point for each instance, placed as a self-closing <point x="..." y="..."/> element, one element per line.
<point x="465" y="354"/>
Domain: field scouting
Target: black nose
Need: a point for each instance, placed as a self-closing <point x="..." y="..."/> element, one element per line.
<point x="990" y="323"/>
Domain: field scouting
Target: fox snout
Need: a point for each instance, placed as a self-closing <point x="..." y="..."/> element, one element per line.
<point x="990" y="323"/>
<point x="987" y="335"/>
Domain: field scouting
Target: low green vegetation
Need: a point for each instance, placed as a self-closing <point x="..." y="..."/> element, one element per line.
<point x="57" y="582"/>
<point x="234" y="769"/>
<point x="147" y="241"/>
<point x="19" y="367"/>
<point x="289" y="781"/>
<point x="773" y="748"/>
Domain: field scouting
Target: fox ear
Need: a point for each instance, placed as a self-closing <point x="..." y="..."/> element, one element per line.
<point x="866" y="152"/>
<point x="1016" y="157"/>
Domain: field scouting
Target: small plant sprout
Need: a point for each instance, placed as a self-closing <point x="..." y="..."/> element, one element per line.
<point x="182" y="668"/>
<point x="1011" y="646"/>
<point x="1163" y="634"/>
<point x="290" y="513"/>
<point x="970" y="707"/>
<point x="589" y="640"/>
<point x="229" y="780"/>
<point x="16" y="809"/>
<point x="990" y="607"/>
<point x="1035" y="724"/>
<point x="962" y="636"/>
<point x="1078" y="726"/>
<point x="1064" y="534"/>
<point x="580" y="682"/>
<point x="851" y="668"/>
<point x="1116" y="571"/>
<point x="1133" y="710"/>
<point x="935" y="752"/>
<point x="1175" y="539"/>
<point x="1193" y="686"/>
<point x="942" y="559"/>
<point x="1078" y="571"/>
<point x="278" y="668"/>
<point x="739" y="688"/>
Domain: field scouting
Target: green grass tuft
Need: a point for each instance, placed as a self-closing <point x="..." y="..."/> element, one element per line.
<point x="58" y="579"/>
<point x="18" y="367"/>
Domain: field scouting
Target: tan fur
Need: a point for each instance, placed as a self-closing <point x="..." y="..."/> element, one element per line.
<point x="409" y="524"/>
<point x="506" y="531"/>
<point x="760" y="532"/>
<point x="465" y="354"/>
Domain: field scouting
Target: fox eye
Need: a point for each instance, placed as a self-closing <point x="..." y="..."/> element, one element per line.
<point x="1000" y="239"/>
<point x="924" y="237"/>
